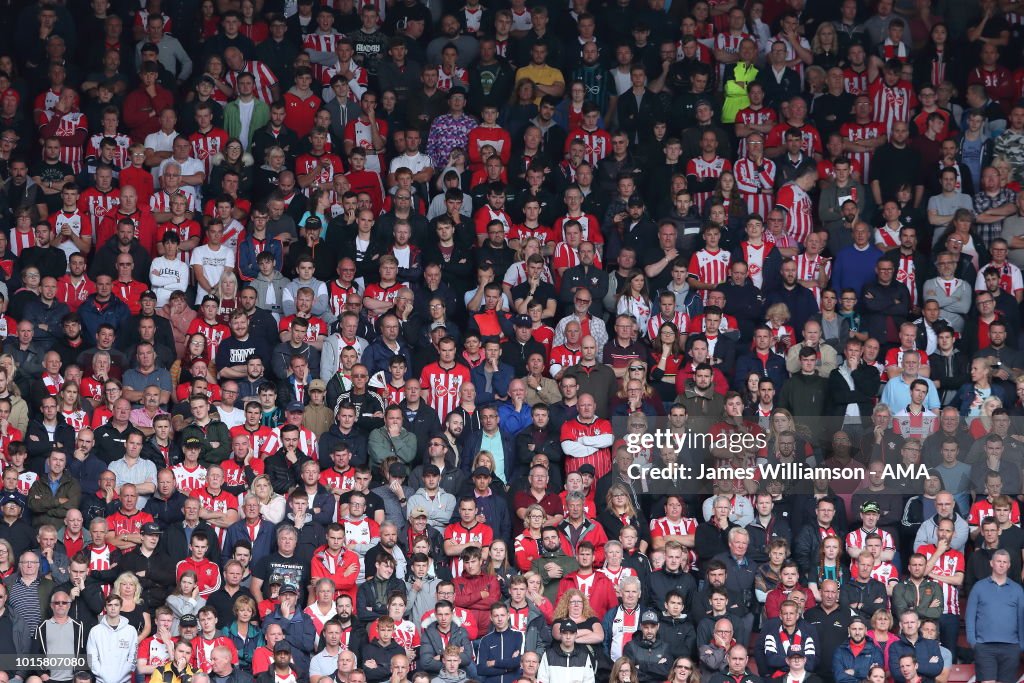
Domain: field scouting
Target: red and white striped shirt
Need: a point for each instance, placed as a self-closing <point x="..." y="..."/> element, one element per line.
<point x="205" y="146"/>
<point x="161" y="202"/>
<point x="891" y="103"/>
<point x="799" y="216"/>
<point x="679" y="318"/>
<point x="857" y="132"/>
<point x="264" y="77"/>
<point x="443" y="386"/>
<point x="97" y="204"/>
<point x="121" y="154"/>
<point x="710" y="267"/>
<point x="753" y="117"/>
<point x="855" y="82"/>
<point x="950" y="564"/>
<point x="321" y="42"/>
<point x="752" y="180"/>
<point x="705" y="169"/>
<point x="598" y="143"/>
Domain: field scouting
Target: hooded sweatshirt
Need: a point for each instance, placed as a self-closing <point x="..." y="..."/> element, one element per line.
<point x="112" y="651"/>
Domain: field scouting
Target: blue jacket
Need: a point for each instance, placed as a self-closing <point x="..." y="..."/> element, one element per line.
<point x="298" y="631"/>
<point x="499" y="647"/>
<point x="264" y="544"/>
<point x="472" y="447"/>
<point x="843" y="659"/>
<point x="247" y="256"/>
<point x="115" y="313"/>
<point x="929" y="657"/>
<point x="514" y="422"/>
<point x="377" y="356"/>
<point x="499" y="382"/>
<point x="774" y="369"/>
<point x="495" y="510"/>
<point x="965" y="397"/>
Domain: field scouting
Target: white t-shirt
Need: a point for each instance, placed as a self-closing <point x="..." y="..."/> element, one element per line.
<point x="167" y="276"/>
<point x="213" y="264"/>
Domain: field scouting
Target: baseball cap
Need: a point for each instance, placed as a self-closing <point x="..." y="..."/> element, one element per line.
<point x="188" y="620"/>
<point x="457" y="91"/>
<point x="149" y="47"/>
<point x="587" y="469"/>
<point x="148" y="294"/>
<point x="289" y="587"/>
<point x="649" y="617"/>
<point x="12" y="498"/>
<point x="151" y="529"/>
<point x="432" y="470"/>
<point x="397" y="469"/>
<point x="208" y="299"/>
<point x="282" y="646"/>
<point x="192" y="443"/>
<point x="313" y="222"/>
<point x="522" y="321"/>
<point x="439" y="325"/>
<point x="795" y="651"/>
<point x="871" y="506"/>
<point x="295" y="407"/>
<point x="318" y="385"/>
<point x="482" y="472"/>
<point x="418" y="512"/>
<point x="635" y="200"/>
<point x="568" y="626"/>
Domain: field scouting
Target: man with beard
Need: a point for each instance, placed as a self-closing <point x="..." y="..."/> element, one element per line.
<point x="553" y="562"/>
<point x="48" y="259"/>
<point x="856" y="656"/>
<point x="112" y="240"/>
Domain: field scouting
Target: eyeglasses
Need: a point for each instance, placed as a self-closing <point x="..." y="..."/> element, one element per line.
<point x="635" y="367"/>
<point x="60" y="602"/>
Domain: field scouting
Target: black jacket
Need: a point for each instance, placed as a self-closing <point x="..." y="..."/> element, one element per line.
<point x="679" y="634"/>
<point x="175" y="543"/>
<point x="37" y="440"/>
<point x="866" y="382"/>
<point x="882" y="306"/>
<point x="659" y="583"/>
<point x="653" y="659"/>
<point x="371" y="598"/>
<point x="283" y="475"/>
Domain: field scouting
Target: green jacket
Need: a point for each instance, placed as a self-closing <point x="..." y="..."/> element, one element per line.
<point x="45" y="505"/>
<point x="233" y="121"/>
<point x="381" y="446"/>
<point x="926" y="600"/>
<point x="215" y="432"/>
<point x="566" y="562"/>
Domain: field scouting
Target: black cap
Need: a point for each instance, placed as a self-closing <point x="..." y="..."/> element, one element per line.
<point x="282" y="646"/>
<point x="208" y="298"/>
<point x="12" y="498"/>
<point x="289" y="587"/>
<point x="522" y="321"/>
<point x="397" y="469"/>
<point x="149" y="47"/>
<point x="568" y="626"/>
<point x="313" y="222"/>
<point x="148" y="294"/>
<point x="635" y="200"/>
<point x="151" y="529"/>
<point x="457" y="91"/>
<point x="431" y="470"/>
<point x="295" y="407"/>
<point x="649" y="617"/>
<point x="188" y="620"/>
<point x="483" y="472"/>
<point x="795" y="650"/>
<point x="587" y="469"/>
<point x="192" y="442"/>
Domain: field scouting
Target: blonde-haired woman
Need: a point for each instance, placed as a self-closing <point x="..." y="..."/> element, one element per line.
<point x="226" y="291"/>
<point x="486" y="459"/>
<point x="272" y="505"/>
<point x="128" y="588"/>
<point x="684" y="670"/>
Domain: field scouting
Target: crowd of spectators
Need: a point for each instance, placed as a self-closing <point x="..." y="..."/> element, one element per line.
<point x="329" y="331"/>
